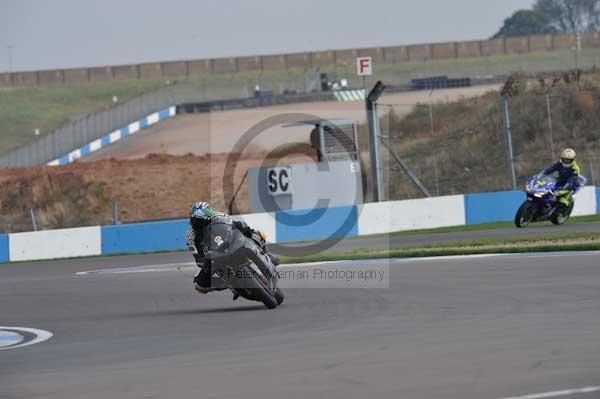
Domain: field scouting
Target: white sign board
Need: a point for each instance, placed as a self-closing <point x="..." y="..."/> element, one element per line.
<point x="279" y="181"/>
<point x="364" y="66"/>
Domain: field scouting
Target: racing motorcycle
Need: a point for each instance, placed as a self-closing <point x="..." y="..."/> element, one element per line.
<point x="542" y="202"/>
<point x="241" y="264"/>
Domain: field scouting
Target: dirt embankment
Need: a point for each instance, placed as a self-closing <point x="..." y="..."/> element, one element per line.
<point x="154" y="187"/>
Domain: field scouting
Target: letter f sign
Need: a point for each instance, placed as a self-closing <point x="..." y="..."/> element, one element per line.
<point x="364" y="66"/>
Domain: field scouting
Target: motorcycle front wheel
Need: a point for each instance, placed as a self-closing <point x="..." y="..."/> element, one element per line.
<point x="559" y="218"/>
<point x="257" y="289"/>
<point x="524" y="215"/>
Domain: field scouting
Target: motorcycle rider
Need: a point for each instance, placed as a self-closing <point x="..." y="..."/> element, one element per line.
<point x="201" y="215"/>
<point x="569" y="180"/>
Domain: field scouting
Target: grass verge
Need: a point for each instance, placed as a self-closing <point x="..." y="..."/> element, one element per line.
<point x="543" y="243"/>
<point x="23" y="110"/>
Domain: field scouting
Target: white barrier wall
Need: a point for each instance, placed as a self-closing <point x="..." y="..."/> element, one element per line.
<point x="264" y="222"/>
<point x="51" y="244"/>
<point x="585" y="203"/>
<point x="385" y="217"/>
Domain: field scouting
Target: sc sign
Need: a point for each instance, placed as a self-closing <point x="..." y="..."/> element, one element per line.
<point x="279" y="181"/>
<point x="364" y="66"/>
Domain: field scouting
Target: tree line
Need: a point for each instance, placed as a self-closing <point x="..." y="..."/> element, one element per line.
<point x="553" y="17"/>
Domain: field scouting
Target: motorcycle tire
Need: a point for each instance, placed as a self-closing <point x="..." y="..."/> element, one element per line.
<point x="523" y="217"/>
<point x="279" y="296"/>
<point x="559" y="218"/>
<point x="257" y="290"/>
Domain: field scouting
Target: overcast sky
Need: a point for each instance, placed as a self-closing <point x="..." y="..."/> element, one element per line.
<point x="71" y="33"/>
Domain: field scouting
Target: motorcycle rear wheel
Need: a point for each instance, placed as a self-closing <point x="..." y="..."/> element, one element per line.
<point x="524" y="216"/>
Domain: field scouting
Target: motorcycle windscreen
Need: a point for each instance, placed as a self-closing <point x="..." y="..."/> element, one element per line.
<point x="217" y="236"/>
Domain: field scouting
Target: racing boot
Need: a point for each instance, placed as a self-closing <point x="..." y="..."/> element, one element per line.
<point x="202" y="283"/>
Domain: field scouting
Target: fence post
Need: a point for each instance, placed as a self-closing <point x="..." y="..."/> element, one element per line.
<point x="550" y="124"/>
<point x="592" y="175"/>
<point x="33" y="221"/>
<point x="511" y="163"/>
<point x="435" y="161"/>
<point x="115" y="212"/>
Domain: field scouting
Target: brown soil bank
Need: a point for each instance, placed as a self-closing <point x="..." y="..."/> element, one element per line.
<point x="154" y="187"/>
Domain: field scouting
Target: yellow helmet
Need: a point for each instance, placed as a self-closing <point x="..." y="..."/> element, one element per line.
<point x="567" y="157"/>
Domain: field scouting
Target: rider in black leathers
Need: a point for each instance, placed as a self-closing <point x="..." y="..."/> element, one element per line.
<point x="201" y="215"/>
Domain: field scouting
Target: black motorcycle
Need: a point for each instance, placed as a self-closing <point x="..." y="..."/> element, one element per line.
<point x="240" y="263"/>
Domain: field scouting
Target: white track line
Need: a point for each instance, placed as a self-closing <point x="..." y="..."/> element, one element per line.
<point x="40" y="336"/>
<point x="556" y="394"/>
<point x="168" y="267"/>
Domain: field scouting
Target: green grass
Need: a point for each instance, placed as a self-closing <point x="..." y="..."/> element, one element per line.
<point x="475" y="227"/>
<point x="543" y="243"/>
<point x="22" y="111"/>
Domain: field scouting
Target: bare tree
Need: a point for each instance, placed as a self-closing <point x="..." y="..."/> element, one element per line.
<point x="570" y="16"/>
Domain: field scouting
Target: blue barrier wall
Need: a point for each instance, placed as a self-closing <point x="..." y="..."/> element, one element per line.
<point x="106" y="139"/>
<point x="4" y="255"/>
<point x="492" y="207"/>
<point x="598" y="200"/>
<point x="317" y="224"/>
<point x="144" y="237"/>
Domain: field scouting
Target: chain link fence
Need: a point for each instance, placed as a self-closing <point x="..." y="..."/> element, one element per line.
<point x="462" y="147"/>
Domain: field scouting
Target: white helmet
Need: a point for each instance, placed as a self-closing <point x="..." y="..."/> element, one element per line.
<point x="567" y="157"/>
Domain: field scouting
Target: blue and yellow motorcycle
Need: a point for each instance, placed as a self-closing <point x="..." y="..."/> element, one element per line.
<point x="542" y="202"/>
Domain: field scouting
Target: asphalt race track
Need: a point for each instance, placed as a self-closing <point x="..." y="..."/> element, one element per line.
<point x="479" y="327"/>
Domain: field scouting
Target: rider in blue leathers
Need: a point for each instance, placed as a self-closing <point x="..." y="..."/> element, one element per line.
<point x="569" y="180"/>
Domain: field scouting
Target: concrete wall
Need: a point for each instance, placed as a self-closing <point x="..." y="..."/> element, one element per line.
<point x="50" y="244"/>
<point x="150" y="71"/>
<point x="586" y="202"/>
<point x="517" y="45"/>
<point x="411" y="215"/>
<point x="492" y="207"/>
<point x="420" y="53"/>
<point x="4" y="248"/>
<point x="540" y="43"/>
<point x="338" y="182"/>
<point x="249" y="64"/>
<point x="76" y="76"/>
<point x="317" y="224"/>
<point x="563" y="42"/>
<point x="46" y="78"/>
<point x="397" y="54"/>
<point x="346" y="57"/>
<point x="590" y="39"/>
<point x="468" y="49"/>
<point x="323" y="58"/>
<point x="144" y="237"/>
<point x="284" y="226"/>
<point x="444" y="50"/>
<point x="493" y="47"/>
<point x="224" y="65"/>
<point x="394" y="55"/>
